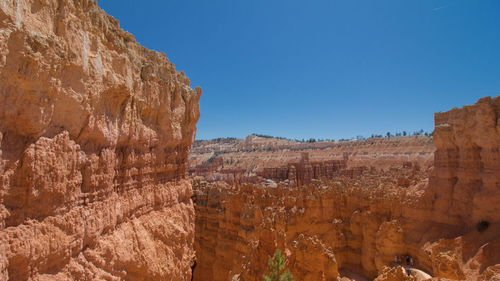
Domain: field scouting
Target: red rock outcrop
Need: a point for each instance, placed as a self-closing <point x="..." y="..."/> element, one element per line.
<point x="302" y="172"/>
<point x="95" y="132"/>
<point x="465" y="191"/>
<point x="394" y="274"/>
<point x="466" y="176"/>
<point x="447" y="222"/>
<point x="270" y="161"/>
<point x="325" y="228"/>
<point x="256" y="153"/>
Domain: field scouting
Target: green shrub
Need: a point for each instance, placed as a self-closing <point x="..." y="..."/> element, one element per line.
<point x="276" y="267"/>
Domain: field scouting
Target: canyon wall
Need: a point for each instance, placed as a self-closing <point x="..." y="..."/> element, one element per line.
<point x="466" y="176"/>
<point x="257" y="158"/>
<point x="257" y="153"/>
<point x="95" y="132"/>
<point x="446" y="218"/>
<point x="327" y="229"/>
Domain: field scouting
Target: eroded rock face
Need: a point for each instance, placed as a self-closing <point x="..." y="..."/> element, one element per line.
<point x="445" y="218"/>
<point x="95" y="132"/>
<point x="467" y="163"/>
<point x="270" y="156"/>
<point x="256" y="159"/>
<point x="325" y="228"/>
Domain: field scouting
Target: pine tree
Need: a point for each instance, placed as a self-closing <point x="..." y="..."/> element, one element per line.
<point x="276" y="266"/>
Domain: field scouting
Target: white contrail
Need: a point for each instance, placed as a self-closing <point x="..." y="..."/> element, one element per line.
<point x="439" y="8"/>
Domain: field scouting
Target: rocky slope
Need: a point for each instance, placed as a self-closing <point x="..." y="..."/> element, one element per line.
<point x="446" y="218"/>
<point x="326" y="228"/>
<point x="255" y="156"/>
<point x="95" y="132"/>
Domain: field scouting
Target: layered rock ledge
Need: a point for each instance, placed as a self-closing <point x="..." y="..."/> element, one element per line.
<point x="95" y="132"/>
<point x="446" y="218"/>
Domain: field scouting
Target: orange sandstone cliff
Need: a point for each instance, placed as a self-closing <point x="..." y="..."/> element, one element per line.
<point x="95" y="132"/>
<point x="353" y="227"/>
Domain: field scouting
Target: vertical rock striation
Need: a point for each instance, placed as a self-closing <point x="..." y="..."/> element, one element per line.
<point x="448" y="221"/>
<point x="465" y="192"/>
<point x="95" y="132"/>
<point x="466" y="177"/>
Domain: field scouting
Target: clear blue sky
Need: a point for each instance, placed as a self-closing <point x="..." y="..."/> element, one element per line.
<point x="323" y="68"/>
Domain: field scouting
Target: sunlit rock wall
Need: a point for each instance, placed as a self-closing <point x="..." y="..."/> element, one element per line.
<point x="95" y="132"/>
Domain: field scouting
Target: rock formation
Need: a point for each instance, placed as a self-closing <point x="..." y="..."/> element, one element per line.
<point x="466" y="176"/>
<point x="302" y="172"/>
<point x="257" y="158"/>
<point x="325" y="228"/>
<point x="95" y="132"/>
<point x="446" y="218"/>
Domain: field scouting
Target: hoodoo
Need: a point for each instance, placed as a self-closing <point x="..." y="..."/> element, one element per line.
<point x="95" y="136"/>
<point x="95" y="132"/>
<point x="389" y="219"/>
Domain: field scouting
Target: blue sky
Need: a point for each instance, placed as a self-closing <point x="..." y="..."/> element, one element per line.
<point x="323" y="68"/>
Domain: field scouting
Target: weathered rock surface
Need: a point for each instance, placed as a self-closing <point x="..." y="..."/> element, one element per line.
<point x="327" y="227"/>
<point x="467" y="163"/>
<point x="397" y="273"/>
<point x="257" y="153"/>
<point x="446" y="219"/>
<point x="95" y="132"/>
<point x="256" y="158"/>
<point x="303" y="172"/>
